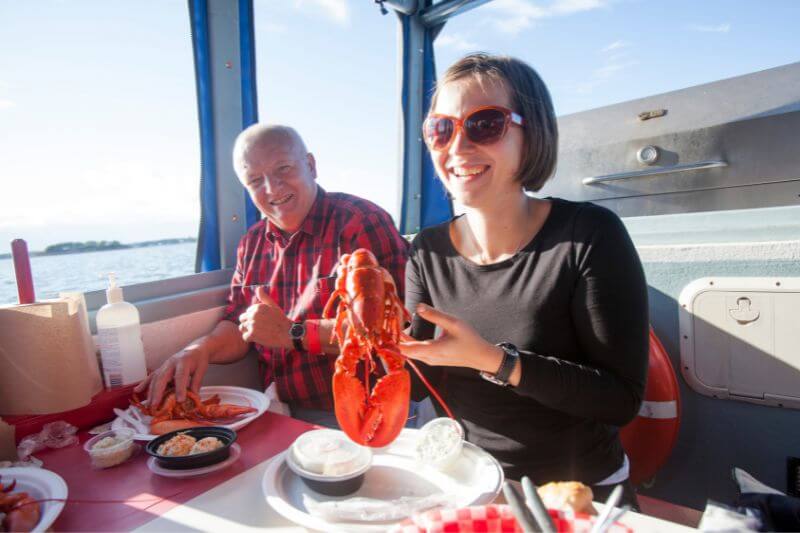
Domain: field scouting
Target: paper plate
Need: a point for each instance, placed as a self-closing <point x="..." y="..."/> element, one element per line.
<point x="233" y="395"/>
<point x="475" y="478"/>
<point x="40" y="484"/>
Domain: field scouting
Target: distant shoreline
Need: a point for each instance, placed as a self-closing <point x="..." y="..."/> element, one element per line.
<point x="86" y="247"/>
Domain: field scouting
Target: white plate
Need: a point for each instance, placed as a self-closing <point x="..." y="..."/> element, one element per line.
<point x="154" y="467"/>
<point x="232" y="395"/>
<point x="474" y="479"/>
<point x="40" y="484"/>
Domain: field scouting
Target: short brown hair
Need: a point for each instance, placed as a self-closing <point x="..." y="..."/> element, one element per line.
<point x="529" y="97"/>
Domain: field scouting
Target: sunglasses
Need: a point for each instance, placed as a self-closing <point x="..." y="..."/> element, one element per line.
<point x="485" y="125"/>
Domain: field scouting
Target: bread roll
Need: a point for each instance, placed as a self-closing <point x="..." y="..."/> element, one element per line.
<point x="564" y="495"/>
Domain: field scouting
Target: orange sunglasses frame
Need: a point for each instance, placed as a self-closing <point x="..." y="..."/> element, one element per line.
<point x="458" y="124"/>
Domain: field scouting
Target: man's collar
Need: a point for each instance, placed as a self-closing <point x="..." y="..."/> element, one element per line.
<point x="311" y="225"/>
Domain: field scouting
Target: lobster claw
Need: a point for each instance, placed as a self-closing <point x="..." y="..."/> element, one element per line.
<point x="371" y="418"/>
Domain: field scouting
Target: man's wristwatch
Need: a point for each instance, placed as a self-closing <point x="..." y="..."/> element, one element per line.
<point x="297" y="332"/>
<point x="503" y="374"/>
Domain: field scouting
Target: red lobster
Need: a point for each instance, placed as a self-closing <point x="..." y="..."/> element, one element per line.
<point x="375" y="317"/>
<point x="21" y="511"/>
<point x="172" y="415"/>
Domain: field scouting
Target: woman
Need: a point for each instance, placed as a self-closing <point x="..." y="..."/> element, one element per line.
<point x="541" y="304"/>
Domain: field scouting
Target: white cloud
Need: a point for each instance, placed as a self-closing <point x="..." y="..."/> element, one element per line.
<point x="6" y="104"/>
<point x="513" y="16"/>
<point x="455" y="41"/>
<point x="603" y="74"/>
<point x="616" y="58"/>
<point x="719" y="28"/>
<point x="336" y="10"/>
<point x="616" y="45"/>
<point x="606" y="71"/>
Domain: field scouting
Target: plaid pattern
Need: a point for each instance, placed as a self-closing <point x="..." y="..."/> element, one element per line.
<point x="299" y="272"/>
<point x="492" y="519"/>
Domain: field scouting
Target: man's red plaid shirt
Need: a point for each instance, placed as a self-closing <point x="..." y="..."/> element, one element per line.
<point x="299" y="272"/>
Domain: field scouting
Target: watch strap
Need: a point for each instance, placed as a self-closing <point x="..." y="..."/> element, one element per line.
<point x="510" y="356"/>
<point x="503" y="374"/>
<point x="296" y="332"/>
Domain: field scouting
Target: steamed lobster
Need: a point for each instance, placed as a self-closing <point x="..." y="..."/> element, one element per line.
<point x="173" y="415"/>
<point x="374" y="314"/>
<point x="21" y="511"/>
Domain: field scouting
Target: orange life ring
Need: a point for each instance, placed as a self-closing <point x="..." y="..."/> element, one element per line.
<point x="649" y="438"/>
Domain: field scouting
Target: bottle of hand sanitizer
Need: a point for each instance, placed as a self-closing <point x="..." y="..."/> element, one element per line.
<point x="119" y="337"/>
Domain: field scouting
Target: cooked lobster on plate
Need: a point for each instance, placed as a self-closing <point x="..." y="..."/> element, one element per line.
<point x="172" y="415"/>
<point x="21" y="512"/>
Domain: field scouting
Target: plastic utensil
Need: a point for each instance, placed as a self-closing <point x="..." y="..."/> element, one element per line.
<point x="610" y="503"/>
<point x="613" y="517"/>
<point x="130" y="419"/>
<point x="536" y="505"/>
<point x="521" y="512"/>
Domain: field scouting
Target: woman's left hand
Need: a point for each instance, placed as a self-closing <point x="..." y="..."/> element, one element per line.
<point x="459" y="344"/>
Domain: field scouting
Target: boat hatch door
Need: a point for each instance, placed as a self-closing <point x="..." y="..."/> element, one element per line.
<point x="739" y="339"/>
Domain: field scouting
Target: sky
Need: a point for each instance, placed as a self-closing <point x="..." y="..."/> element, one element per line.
<point x="98" y="118"/>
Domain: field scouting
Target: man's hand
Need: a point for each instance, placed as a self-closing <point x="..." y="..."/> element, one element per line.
<point x="265" y="323"/>
<point x="186" y="368"/>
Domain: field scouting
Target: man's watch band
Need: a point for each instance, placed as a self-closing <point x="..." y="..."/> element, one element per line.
<point x="297" y="331"/>
<point x="503" y="374"/>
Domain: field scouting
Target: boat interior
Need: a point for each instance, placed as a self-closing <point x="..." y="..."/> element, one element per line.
<point x="706" y="179"/>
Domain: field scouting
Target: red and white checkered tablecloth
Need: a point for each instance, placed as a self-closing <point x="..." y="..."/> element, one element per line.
<point x="491" y="519"/>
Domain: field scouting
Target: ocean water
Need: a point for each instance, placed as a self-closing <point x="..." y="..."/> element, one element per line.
<point x="89" y="271"/>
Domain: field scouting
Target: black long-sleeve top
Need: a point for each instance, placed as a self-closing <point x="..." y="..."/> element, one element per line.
<point x="574" y="301"/>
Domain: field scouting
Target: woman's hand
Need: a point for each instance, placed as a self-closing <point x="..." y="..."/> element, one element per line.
<point x="459" y="344"/>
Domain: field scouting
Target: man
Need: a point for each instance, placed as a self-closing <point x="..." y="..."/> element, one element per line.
<point x="290" y="257"/>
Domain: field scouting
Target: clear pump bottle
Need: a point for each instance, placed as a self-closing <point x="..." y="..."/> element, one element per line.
<point x="119" y="337"/>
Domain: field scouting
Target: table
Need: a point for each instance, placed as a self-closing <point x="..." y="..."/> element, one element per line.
<point x="229" y="499"/>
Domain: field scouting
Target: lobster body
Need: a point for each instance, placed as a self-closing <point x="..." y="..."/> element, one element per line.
<point x="371" y="308"/>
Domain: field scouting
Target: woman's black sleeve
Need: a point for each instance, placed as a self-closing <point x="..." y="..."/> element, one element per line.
<point x="609" y="312"/>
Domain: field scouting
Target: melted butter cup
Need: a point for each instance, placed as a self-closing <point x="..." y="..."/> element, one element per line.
<point x="328" y="462"/>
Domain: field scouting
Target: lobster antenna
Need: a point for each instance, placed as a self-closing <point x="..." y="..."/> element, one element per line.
<point x="431" y="389"/>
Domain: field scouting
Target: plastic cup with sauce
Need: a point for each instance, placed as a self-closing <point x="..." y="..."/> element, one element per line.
<point x="328" y="462"/>
<point x="439" y="443"/>
<point x="110" y="448"/>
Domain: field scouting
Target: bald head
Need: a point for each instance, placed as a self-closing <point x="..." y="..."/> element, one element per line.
<point x="279" y="173"/>
<point x="259" y="136"/>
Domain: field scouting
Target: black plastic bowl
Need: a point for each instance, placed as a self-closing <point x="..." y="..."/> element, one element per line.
<point x="198" y="460"/>
<point x="329" y="485"/>
<point x="339" y="487"/>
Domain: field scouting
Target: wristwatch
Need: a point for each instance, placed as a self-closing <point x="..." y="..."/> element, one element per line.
<point x="503" y="374"/>
<point x="297" y="332"/>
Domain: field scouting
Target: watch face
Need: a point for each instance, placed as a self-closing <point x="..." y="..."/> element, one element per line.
<point x="297" y="330"/>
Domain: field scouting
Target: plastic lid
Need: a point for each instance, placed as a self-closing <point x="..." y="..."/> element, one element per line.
<point x="113" y="293"/>
<point x="122" y="438"/>
<point x="328" y="452"/>
<point x="440" y="442"/>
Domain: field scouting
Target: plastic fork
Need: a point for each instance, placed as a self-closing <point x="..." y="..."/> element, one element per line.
<point x="610" y="504"/>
